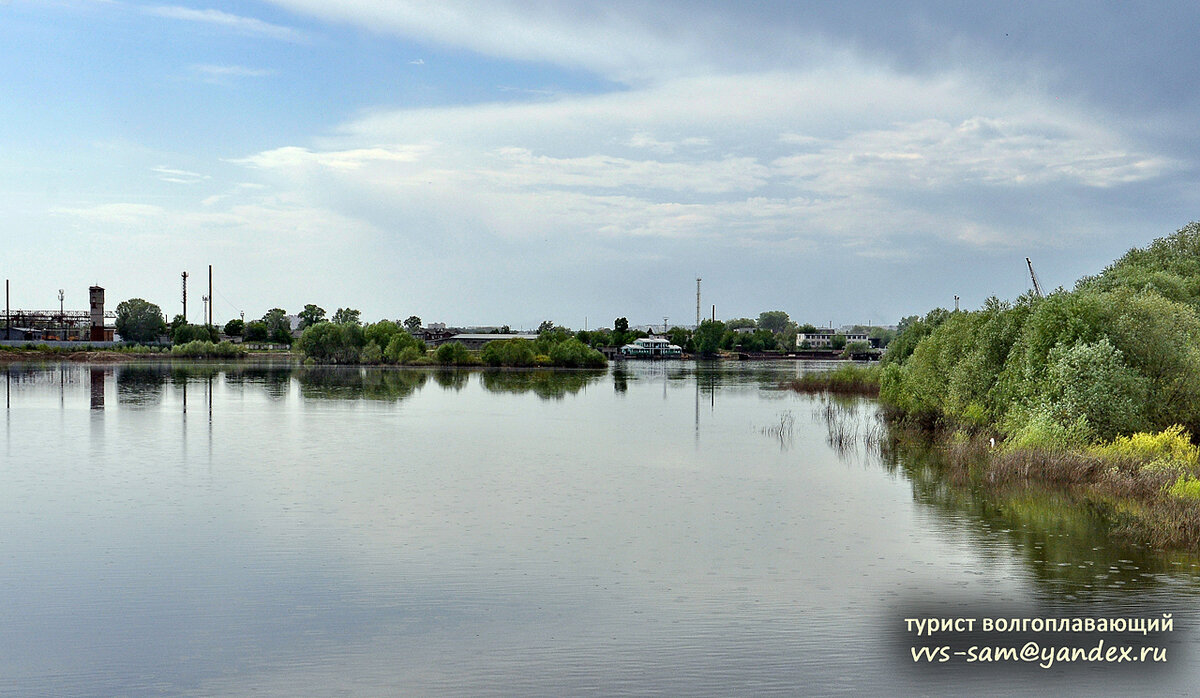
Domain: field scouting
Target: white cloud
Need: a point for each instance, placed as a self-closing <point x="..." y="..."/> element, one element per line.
<point x="237" y="71"/>
<point x="244" y="25"/>
<point x="175" y="176"/>
<point x="297" y="158"/>
<point x="748" y="160"/>
<point x="118" y="213"/>
<point x="934" y="154"/>
<point x="625" y="44"/>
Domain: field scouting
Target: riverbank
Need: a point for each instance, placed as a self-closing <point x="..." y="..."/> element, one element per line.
<point x="1144" y="487"/>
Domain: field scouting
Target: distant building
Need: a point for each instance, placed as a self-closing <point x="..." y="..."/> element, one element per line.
<point x="651" y="348"/>
<point x="823" y="338"/>
<point x="475" y="342"/>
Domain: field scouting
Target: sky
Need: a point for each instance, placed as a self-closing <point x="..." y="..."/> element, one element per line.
<point x="498" y="162"/>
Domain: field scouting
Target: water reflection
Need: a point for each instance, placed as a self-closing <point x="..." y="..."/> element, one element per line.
<point x="452" y="378"/>
<point x="137" y="385"/>
<point x="546" y="384"/>
<point x="1061" y="538"/>
<point x="351" y="383"/>
<point x="476" y="542"/>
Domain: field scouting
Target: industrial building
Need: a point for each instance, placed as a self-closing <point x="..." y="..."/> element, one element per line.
<point x="59" y="325"/>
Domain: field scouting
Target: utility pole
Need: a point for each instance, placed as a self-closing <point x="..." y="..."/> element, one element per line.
<point x="62" y="318"/>
<point x="184" y="276"/>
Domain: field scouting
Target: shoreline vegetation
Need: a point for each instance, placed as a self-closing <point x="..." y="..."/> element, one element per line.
<point x="1095" y="391"/>
<point x="847" y="379"/>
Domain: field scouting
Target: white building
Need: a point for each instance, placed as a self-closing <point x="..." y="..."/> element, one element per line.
<point x="652" y="347"/>
<point x="823" y="338"/>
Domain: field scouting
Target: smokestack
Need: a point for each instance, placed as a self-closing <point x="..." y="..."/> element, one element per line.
<point x="208" y="320"/>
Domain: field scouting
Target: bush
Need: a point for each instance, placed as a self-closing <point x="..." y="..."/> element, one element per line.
<point x="203" y="349"/>
<point x="371" y="354"/>
<point x="1042" y="430"/>
<point x="399" y="345"/>
<point x="509" y="352"/>
<point x="454" y="354"/>
<point x="1185" y="487"/>
<point x="190" y="333"/>
<point x="331" y="342"/>
<point x="1171" y="447"/>
<point x="573" y="353"/>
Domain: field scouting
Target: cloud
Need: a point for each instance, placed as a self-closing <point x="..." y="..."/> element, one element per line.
<point x="243" y="25"/>
<point x="118" y="213"/>
<point x="935" y="155"/>
<point x="747" y="160"/>
<point x="629" y="43"/>
<point x="417" y="61"/>
<point x="293" y="158"/>
<point x="237" y="71"/>
<point x="175" y="176"/>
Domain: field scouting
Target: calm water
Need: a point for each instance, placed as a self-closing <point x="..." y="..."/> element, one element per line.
<point x="658" y="529"/>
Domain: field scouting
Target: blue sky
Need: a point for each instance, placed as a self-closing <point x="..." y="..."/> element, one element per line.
<point x="510" y="162"/>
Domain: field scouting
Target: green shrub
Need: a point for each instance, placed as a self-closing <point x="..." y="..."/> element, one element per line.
<point x="508" y="352"/>
<point x="1171" y="447"/>
<point x="371" y="354"/>
<point x="332" y="342"/>
<point x="454" y="354"/>
<point x="1185" y="487"/>
<point x="1042" y="430"/>
<point x="572" y="353"/>
<point x="198" y="349"/>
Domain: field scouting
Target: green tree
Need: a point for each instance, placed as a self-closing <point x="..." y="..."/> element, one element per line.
<point x="311" y="315"/>
<point x="741" y="323"/>
<point x="508" y="352"/>
<point x="412" y="324"/>
<point x="177" y="322"/>
<point x="235" y="327"/>
<point x="140" y="321"/>
<point x="856" y="348"/>
<point x="333" y="342"/>
<point x="195" y="333"/>
<point x="837" y="342"/>
<point x="382" y="332"/>
<point x="621" y="325"/>
<point x="546" y="326"/>
<point x="707" y="337"/>
<point x="279" y="328"/>
<point x="454" y="354"/>
<point x="773" y="320"/>
<point x="349" y="316"/>
<point x="681" y="337"/>
<point x="257" y="331"/>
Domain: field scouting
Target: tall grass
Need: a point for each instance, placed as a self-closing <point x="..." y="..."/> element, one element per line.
<point x="847" y="379"/>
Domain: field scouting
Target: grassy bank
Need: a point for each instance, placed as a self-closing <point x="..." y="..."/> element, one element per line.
<point x="847" y="379"/>
<point x="1146" y="486"/>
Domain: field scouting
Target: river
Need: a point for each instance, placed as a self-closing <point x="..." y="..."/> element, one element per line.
<point x="655" y="528"/>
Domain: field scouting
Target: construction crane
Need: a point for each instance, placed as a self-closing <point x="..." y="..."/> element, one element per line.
<point x="1037" y="287"/>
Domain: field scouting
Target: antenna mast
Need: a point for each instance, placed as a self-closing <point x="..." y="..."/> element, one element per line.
<point x="184" y="276"/>
<point x="1037" y="287"/>
<point x="697" y="301"/>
